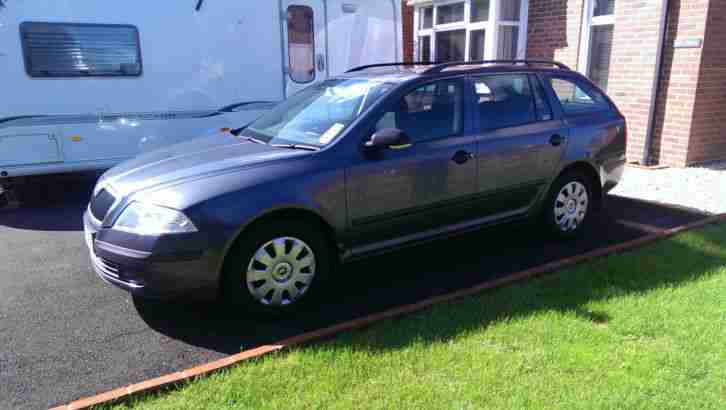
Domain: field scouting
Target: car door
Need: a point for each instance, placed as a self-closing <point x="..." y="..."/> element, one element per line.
<point x="412" y="189"/>
<point x="304" y="34"/>
<point x="519" y="142"/>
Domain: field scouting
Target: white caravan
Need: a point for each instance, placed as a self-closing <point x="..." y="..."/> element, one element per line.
<point x="85" y="84"/>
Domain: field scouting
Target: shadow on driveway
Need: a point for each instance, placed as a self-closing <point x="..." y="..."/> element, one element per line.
<point x="413" y="274"/>
<point x="51" y="203"/>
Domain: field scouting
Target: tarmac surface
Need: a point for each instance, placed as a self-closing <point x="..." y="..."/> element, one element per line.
<point x="65" y="334"/>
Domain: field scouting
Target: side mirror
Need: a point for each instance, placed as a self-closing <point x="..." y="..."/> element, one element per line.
<point x="388" y="138"/>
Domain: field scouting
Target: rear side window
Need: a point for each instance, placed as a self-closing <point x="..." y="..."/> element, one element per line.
<point x="504" y="100"/>
<point x="301" y="43"/>
<point x="430" y="112"/>
<point x="544" y="111"/>
<point x="80" y="50"/>
<point x="577" y="98"/>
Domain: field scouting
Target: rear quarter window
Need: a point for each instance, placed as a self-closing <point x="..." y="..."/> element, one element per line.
<point x="576" y="97"/>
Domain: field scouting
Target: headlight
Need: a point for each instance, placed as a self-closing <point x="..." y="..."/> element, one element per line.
<point x="146" y="219"/>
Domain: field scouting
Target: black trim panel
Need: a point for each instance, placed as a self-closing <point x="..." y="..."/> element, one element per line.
<point x="447" y="231"/>
<point x="520" y="194"/>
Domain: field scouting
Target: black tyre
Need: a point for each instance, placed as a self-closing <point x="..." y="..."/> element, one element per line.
<point x="569" y="204"/>
<point x="277" y="266"/>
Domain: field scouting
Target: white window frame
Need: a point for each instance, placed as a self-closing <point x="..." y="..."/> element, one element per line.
<point x="490" y="27"/>
<point x="589" y="21"/>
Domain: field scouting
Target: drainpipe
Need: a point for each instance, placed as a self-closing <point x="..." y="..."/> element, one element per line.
<point x="655" y="89"/>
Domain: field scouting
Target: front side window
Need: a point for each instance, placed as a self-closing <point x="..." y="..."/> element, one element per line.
<point x="430" y="112"/>
<point x="504" y="100"/>
<point x="576" y="99"/>
<point x="317" y="114"/>
<point x="80" y="50"/>
<point x="301" y="43"/>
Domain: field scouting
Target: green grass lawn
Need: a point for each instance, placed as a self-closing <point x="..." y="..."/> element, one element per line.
<point x="645" y="329"/>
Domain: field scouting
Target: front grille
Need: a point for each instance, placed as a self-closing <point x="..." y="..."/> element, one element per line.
<point x="101" y="204"/>
<point x="110" y="267"/>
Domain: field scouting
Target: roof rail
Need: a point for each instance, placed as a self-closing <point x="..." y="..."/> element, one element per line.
<point x="364" y="67"/>
<point x="441" y="67"/>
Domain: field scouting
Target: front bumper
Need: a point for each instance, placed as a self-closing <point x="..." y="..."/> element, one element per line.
<point x="150" y="274"/>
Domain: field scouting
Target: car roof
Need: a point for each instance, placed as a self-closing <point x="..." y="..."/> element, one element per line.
<point x="401" y="72"/>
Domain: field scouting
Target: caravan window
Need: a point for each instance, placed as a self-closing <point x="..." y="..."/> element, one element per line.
<point x="301" y="43"/>
<point x="80" y="50"/>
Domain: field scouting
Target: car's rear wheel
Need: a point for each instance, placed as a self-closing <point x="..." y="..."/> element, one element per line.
<point x="569" y="204"/>
<point x="276" y="266"/>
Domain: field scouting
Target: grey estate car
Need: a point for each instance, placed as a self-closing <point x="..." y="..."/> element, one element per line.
<point x="377" y="158"/>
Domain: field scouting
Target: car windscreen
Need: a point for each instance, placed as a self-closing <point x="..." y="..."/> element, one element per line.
<point x="317" y="114"/>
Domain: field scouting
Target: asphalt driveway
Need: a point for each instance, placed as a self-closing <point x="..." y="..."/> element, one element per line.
<point x="64" y="334"/>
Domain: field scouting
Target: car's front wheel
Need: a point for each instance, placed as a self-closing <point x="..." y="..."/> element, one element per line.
<point x="568" y="205"/>
<point x="277" y="265"/>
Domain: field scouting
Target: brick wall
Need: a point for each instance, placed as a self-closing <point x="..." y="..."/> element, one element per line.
<point x="708" y="132"/>
<point x="553" y="31"/>
<point x="633" y="66"/>
<point x="679" y="81"/>
<point x="407" y="18"/>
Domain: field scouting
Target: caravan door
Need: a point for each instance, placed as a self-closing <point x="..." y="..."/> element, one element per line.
<point x="304" y="39"/>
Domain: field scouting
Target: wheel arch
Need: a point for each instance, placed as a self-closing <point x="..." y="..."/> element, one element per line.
<point x="590" y="171"/>
<point x="285" y="213"/>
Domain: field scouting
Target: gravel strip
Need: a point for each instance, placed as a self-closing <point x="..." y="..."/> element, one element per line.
<point x="698" y="188"/>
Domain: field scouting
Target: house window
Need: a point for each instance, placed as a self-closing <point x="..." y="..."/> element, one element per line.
<point x="471" y="30"/>
<point x="476" y="44"/>
<point x="450" y="45"/>
<point x="507" y="42"/>
<point x="427" y="18"/>
<point x="479" y="10"/>
<point x="597" y="41"/>
<point x="68" y="50"/>
<point x="450" y="13"/>
<point x="425" y="48"/>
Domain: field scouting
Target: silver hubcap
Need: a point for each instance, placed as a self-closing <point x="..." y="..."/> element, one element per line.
<point x="571" y="206"/>
<point x="280" y="271"/>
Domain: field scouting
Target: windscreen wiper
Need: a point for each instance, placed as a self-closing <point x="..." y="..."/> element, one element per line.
<point x="255" y="140"/>
<point x="296" y="146"/>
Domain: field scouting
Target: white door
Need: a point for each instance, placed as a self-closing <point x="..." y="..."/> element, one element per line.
<point x="304" y="36"/>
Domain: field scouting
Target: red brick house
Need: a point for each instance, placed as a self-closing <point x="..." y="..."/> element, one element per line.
<point x="662" y="61"/>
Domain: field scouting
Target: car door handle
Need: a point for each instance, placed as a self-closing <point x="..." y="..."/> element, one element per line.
<point x="462" y="156"/>
<point x="556" y="140"/>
